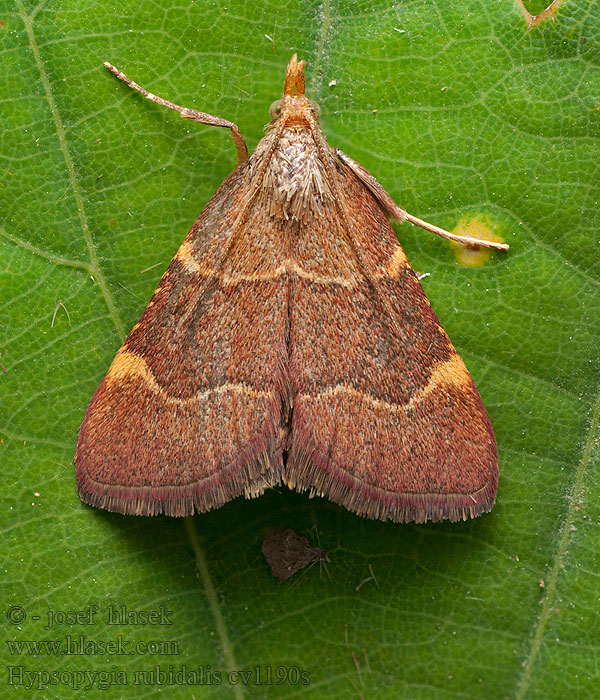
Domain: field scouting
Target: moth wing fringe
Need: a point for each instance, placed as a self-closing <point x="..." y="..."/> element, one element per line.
<point x="250" y="475"/>
<point x="305" y="471"/>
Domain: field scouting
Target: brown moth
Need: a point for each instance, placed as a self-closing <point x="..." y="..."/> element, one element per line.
<point x="290" y="341"/>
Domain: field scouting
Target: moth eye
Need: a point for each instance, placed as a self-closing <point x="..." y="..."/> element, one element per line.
<point x="316" y="110"/>
<point x="275" y="110"/>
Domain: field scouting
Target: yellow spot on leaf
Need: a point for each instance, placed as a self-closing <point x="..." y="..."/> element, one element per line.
<point x="548" y="13"/>
<point x="474" y="228"/>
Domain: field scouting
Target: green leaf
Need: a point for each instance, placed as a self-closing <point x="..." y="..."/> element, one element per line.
<point x="462" y="113"/>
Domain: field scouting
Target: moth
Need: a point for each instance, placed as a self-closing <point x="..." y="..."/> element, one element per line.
<point x="290" y="341"/>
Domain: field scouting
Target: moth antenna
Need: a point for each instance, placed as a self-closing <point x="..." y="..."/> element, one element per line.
<point x="396" y="212"/>
<point x="186" y="113"/>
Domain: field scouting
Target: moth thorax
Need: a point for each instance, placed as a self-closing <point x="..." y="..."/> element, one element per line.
<point x="296" y="182"/>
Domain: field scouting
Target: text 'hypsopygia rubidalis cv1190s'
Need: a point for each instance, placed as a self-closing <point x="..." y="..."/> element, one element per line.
<point x="290" y="341"/>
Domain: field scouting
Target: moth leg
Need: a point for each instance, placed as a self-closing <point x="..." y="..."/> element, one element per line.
<point x="395" y="212"/>
<point x="186" y="113"/>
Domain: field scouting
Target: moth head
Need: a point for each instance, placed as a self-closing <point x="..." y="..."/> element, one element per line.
<point x="275" y="110"/>
<point x="294" y="108"/>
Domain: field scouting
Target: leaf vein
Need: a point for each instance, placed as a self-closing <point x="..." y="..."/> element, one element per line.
<point x="576" y="497"/>
<point x="60" y="132"/>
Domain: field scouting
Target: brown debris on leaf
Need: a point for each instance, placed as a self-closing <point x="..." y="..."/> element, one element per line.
<point x="287" y="552"/>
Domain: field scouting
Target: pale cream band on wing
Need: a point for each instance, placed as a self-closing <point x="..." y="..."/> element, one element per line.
<point x="450" y="372"/>
<point x="127" y="365"/>
<point x="396" y="262"/>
